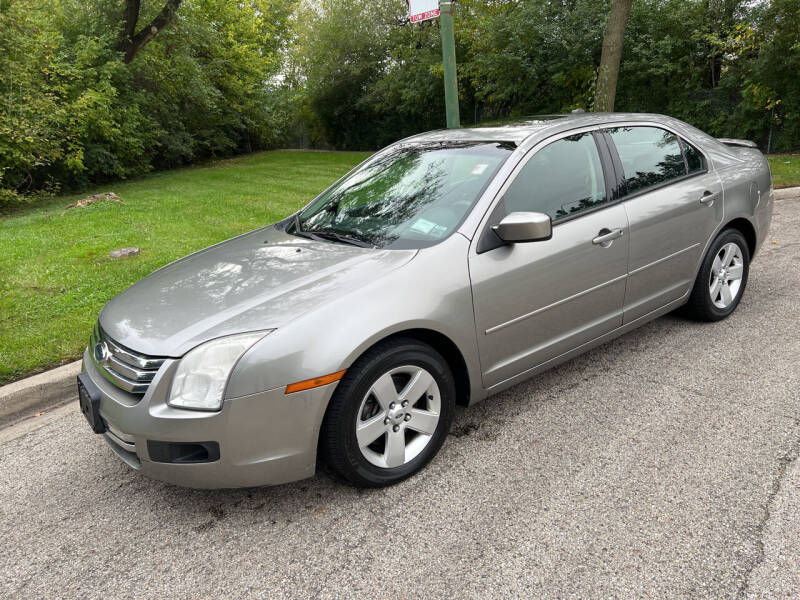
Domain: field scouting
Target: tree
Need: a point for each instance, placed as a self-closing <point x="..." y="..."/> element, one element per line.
<point x="131" y="42"/>
<point x="608" y="72"/>
<point x="532" y="57"/>
<point x="72" y="113"/>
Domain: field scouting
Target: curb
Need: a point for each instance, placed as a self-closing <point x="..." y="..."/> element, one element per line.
<point x="783" y="193"/>
<point x="38" y="392"/>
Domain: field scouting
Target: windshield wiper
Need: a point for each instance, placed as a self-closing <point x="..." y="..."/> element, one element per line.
<point x="296" y="222"/>
<point x="298" y="229"/>
<point x="343" y="238"/>
<point x="317" y="234"/>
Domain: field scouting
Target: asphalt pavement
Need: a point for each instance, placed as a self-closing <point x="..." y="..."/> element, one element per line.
<point x="661" y="465"/>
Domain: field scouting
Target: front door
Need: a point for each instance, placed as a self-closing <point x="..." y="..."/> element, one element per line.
<point x="535" y="301"/>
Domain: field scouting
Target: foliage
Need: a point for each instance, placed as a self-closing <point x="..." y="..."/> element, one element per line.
<point x="365" y="77"/>
<point x="772" y="83"/>
<point x="232" y="76"/>
<point x="71" y="112"/>
<point x="533" y="57"/>
<point x="350" y="61"/>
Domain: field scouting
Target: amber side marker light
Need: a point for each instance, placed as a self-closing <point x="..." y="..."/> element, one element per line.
<point x="313" y="383"/>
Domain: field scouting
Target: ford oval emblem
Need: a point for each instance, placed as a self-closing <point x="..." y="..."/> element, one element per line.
<point x="101" y="352"/>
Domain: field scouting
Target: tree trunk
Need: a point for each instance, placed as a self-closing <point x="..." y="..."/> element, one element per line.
<point x="608" y="73"/>
<point x="131" y="42"/>
<point x="129" y="19"/>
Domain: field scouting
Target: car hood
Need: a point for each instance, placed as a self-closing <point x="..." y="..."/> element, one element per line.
<point x="260" y="280"/>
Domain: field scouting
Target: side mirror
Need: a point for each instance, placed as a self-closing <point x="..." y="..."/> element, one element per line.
<point x="524" y="227"/>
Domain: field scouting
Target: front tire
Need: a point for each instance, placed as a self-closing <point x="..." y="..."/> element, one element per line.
<point x="722" y="278"/>
<point x="389" y="415"/>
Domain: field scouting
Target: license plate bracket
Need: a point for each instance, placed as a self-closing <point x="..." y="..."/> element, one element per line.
<point x="89" y="399"/>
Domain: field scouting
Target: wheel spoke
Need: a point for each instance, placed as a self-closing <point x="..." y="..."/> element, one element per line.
<point x="716" y="265"/>
<point x="423" y="421"/>
<point x="395" y="448"/>
<point x="418" y="385"/>
<point x="384" y="391"/>
<point x="730" y="252"/>
<point x="735" y="272"/>
<point x="369" y="431"/>
<point x="727" y="297"/>
<point x="714" y="290"/>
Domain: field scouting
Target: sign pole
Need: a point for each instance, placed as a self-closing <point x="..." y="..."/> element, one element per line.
<point x="449" y="61"/>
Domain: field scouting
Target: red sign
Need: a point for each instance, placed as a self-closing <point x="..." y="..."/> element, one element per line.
<point x="422" y="10"/>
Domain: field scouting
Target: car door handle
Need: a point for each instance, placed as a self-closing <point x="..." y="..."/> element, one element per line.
<point x="606" y="236"/>
<point x="708" y="198"/>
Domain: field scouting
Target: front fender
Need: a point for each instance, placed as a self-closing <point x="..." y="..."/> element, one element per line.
<point x="430" y="292"/>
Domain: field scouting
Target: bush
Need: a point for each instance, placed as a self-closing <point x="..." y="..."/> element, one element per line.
<point x="73" y="113"/>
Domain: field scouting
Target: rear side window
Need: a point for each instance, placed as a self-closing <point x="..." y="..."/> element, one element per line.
<point x="694" y="160"/>
<point x="650" y="156"/>
<point x="562" y="179"/>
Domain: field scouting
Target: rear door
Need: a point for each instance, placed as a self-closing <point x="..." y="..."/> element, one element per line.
<point x="535" y="301"/>
<point x="673" y="203"/>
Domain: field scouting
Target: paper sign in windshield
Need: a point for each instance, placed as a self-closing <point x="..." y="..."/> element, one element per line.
<point x="428" y="228"/>
<point x="423" y="226"/>
<point x="479" y="169"/>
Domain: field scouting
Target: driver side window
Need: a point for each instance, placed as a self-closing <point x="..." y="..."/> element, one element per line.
<point x="562" y="179"/>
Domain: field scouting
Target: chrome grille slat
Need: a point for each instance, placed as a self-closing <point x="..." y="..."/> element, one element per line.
<point x="123" y="382"/>
<point x="123" y="367"/>
<point x="134" y="360"/>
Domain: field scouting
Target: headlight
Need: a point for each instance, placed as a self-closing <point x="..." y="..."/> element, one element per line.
<point x="200" y="380"/>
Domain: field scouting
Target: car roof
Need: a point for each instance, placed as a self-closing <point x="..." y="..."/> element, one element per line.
<point x="518" y="130"/>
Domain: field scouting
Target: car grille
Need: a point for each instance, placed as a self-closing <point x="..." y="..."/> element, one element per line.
<point x="123" y="367"/>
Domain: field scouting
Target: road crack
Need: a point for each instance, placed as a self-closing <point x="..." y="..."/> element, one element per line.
<point x="784" y="462"/>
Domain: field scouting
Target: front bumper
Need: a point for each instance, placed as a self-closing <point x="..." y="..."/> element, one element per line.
<point x="264" y="439"/>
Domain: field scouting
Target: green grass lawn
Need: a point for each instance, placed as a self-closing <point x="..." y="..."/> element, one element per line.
<point x="785" y="169"/>
<point x="55" y="273"/>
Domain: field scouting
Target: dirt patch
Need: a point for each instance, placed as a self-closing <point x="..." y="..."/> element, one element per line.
<point x="93" y="199"/>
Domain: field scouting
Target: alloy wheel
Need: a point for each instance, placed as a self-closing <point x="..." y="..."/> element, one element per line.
<point x="725" y="279"/>
<point x="398" y="416"/>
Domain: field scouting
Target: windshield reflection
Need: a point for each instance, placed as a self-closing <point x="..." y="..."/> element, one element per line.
<point x="411" y="197"/>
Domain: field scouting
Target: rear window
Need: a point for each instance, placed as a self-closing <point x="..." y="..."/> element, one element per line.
<point x="650" y="156"/>
<point x="694" y="159"/>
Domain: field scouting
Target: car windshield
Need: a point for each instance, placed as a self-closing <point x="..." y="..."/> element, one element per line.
<point x="408" y="197"/>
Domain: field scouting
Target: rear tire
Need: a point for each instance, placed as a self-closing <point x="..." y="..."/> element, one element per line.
<point x="722" y="278"/>
<point x="389" y="415"/>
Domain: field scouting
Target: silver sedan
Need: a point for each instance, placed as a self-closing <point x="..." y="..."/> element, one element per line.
<point x="445" y="268"/>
